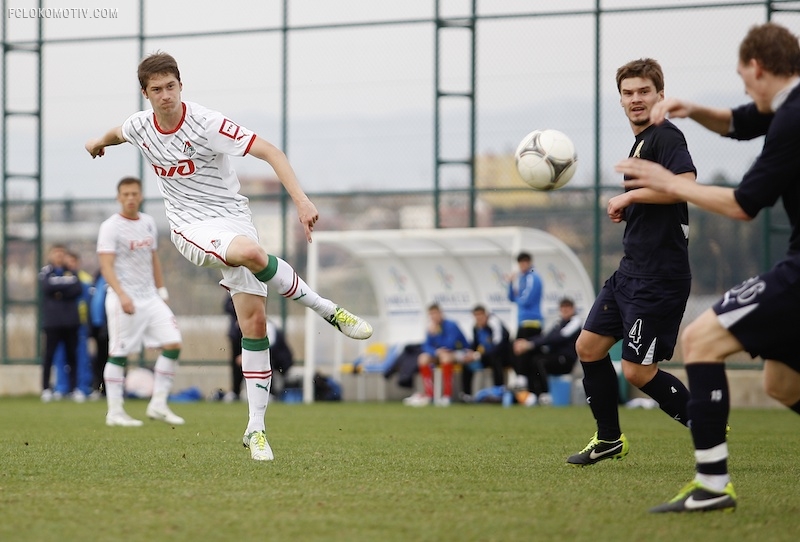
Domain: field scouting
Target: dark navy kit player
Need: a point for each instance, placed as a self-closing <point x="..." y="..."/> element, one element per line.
<point x="643" y="302"/>
<point x="758" y="316"/>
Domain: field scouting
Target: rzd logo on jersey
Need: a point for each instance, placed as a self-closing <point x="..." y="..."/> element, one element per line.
<point x="184" y="168"/>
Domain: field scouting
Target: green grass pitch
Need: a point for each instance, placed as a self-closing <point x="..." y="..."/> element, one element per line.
<point x="385" y="472"/>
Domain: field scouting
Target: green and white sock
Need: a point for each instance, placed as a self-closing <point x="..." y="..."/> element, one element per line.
<point x="280" y="275"/>
<point x="257" y="372"/>
<point x="114" y="382"/>
<point x="164" y="371"/>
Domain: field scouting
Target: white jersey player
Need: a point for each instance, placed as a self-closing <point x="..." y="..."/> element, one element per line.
<point x="188" y="146"/>
<point x="136" y="308"/>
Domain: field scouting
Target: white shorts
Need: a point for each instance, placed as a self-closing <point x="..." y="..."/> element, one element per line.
<point x="152" y="324"/>
<point x="206" y="244"/>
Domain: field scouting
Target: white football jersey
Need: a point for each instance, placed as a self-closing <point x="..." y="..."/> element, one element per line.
<point x="133" y="243"/>
<point x="195" y="176"/>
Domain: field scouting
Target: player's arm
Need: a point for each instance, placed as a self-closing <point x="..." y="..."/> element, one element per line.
<point x="158" y="278"/>
<point x="648" y="195"/>
<point x="717" y="199"/>
<point x="275" y="157"/>
<point x="96" y="147"/>
<point x="617" y="204"/>
<point x="715" y="119"/>
<point x="107" y="260"/>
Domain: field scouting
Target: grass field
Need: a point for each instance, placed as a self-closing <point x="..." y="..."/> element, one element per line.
<point x="345" y="471"/>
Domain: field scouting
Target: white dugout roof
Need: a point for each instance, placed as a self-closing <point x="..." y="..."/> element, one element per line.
<point x="457" y="268"/>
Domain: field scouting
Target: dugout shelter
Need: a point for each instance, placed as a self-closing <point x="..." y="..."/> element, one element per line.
<point x="457" y="268"/>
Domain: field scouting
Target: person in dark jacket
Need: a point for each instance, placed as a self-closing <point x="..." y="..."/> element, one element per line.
<point x="491" y="349"/>
<point x="554" y="352"/>
<point x="60" y="321"/>
<point x="99" y="332"/>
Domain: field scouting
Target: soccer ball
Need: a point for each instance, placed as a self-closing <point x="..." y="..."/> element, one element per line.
<point x="546" y="159"/>
<point x="139" y="383"/>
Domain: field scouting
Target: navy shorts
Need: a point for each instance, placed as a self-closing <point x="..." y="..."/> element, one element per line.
<point x="645" y="312"/>
<point x="762" y="313"/>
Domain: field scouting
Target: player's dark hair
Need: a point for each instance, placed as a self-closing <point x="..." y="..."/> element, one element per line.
<point x="566" y="302"/>
<point x="774" y="47"/>
<point x="128" y="180"/>
<point x="158" y="63"/>
<point x="524" y="257"/>
<point x="479" y="308"/>
<point x="646" y="68"/>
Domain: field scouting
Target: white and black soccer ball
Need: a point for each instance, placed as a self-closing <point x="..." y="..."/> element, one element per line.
<point x="546" y="159"/>
<point x="139" y="383"/>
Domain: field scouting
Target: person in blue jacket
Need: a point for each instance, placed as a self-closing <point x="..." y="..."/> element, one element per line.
<point x="445" y="345"/>
<point x="525" y="290"/>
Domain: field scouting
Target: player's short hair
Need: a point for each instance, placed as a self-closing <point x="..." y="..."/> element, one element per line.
<point x="434" y="307"/>
<point x="774" y="47"/>
<point x="646" y="68"/>
<point x="566" y="302"/>
<point x="478" y="308"/>
<point x="524" y="257"/>
<point x="158" y="63"/>
<point x="128" y="180"/>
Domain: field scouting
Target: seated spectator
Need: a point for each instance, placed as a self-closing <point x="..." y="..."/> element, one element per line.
<point x="553" y="352"/>
<point x="491" y="348"/>
<point x="444" y="346"/>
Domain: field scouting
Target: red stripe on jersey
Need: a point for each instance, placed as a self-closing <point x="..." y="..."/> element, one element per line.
<point x="252" y="140"/>
<point x="160" y="131"/>
<point x="217" y="256"/>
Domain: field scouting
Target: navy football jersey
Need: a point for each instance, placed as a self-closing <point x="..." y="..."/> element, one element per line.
<point x="656" y="239"/>
<point x="776" y="172"/>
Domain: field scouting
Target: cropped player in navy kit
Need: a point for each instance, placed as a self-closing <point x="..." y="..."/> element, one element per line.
<point x="642" y="303"/>
<point x="758" y="316"/>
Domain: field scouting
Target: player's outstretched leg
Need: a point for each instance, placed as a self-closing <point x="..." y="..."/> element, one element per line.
<point x="598" y="450"/>
<point x="670" y="393"/>
<point x="351" y="325"/>
<point x="694" y="497"/>
<point x="256" y="441"/>
<point x="114" y="381"/>
<point x="602" y="394"/>
<point x="708" y="408"/>
<point x="164" y="371"/>
<point x="280" y="275"/>
<point x="257" y="372"/>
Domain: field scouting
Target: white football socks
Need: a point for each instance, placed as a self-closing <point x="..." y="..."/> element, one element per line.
<point x="289" y="284"/>
<point x="164" y="377"/>
<point x="114" y="382"/>
<point x="258" y="379"/>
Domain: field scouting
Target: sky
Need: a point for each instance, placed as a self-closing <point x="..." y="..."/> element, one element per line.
<point x="361" y="100"/>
